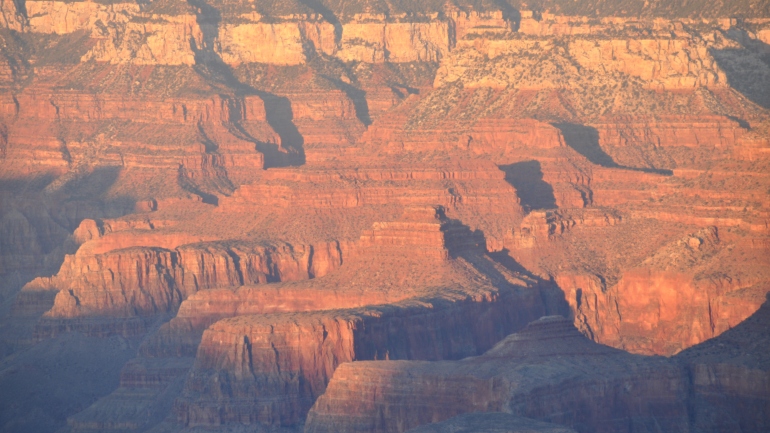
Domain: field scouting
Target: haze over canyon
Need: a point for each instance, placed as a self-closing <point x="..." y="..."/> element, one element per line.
<point x="386" y="216"/>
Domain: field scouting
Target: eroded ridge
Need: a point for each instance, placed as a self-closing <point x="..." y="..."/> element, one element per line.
<point x="542" y="372"/>
<point x="246" y="200"/>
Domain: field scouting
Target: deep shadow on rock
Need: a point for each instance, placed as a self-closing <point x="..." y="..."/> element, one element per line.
<point x="731" y="377"/>
<point x="585" y="141"/>
<point x="277" y="108"/>
<point x="527" y="178"/>
<point x="42" y="385"/>
<point x="747" y="68"/>
<point x="548" y="371"/>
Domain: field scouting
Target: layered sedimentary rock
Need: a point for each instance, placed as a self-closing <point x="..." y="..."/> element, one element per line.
<point x="142" y="281"/>
<point x="285" y="367"/>
<point x="658" y="63"/>
<point x="115" y="132"/>
<point x="31" y="238"/>
<point x="266" y="193"/>
<point x="644" y="302"/>
<point x="540" y="372"/>
<point x="283" y="361"/>
<point x="294" y="334"/>
<point x="726" y="391"/>
<point x="124" y="33"/>
<point x="480" y="184"/>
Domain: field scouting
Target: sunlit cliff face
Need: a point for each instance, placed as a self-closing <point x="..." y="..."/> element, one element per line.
<point x="377" y="217"/>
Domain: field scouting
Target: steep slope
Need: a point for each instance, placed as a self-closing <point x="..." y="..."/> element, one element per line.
<point x="288" y="338"/>
<point x="259" y="195"/>
<point x="547" y="371"/>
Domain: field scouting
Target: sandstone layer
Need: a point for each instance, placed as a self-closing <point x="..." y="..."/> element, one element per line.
<point x="538" y="382"/>
<point x="262" y="208"/>
<point x="543" y="372"/>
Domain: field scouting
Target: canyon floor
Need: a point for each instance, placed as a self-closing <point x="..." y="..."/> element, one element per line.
<point x="363" y="216"/>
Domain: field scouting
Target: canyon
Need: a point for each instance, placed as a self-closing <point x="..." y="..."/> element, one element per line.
<point x="363" y="216"/>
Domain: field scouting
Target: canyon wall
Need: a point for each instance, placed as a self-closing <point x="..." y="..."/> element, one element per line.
<point x="324" y="214"/>
<point x="489" y="386"/>
<point x="549" y="368"/>
<point x="124" y="281"/>
<point x="280" y="369"/>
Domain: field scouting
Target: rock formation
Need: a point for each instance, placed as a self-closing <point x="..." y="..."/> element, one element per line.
<point x="261" y="208"/>
<point x="543" y="372"/>
<point x="533" y="374"/>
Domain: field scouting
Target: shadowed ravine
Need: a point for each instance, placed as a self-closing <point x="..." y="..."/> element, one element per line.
<point x="277" y="108"/>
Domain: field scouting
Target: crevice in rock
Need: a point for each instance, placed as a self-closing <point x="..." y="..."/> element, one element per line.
<point x="210" y="65"/>
<point x="510" y="14"/>
<point x="186" y="183"/>
<point x="328" y="15"/>
<point x="236" y="264"/>
<point x="333" y="70"/>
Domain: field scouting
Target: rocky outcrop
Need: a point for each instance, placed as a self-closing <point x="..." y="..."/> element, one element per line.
<point x="664" y="64"/>
<point x="269" y="194"/>
<point x="126" y="34"/>
<point x="680" y="63"/>
<point x="312" y="325"/>
<point x="492" y="137"/>
<point x="30" y="239"/>
<point x="542" y="372"/>
<point x="281" y="364"/>
<point x="60" y="17"/>
<point x="463" y="188"/>
<point x="394" y="42"/>
<point x="143" y="398"/>
<point x="304" y="344"/>
<point x="654" y="140"/>
<point x="146" y="40"/>
<point x="725" y="384"/>
<point x="166" y="42"/>
<point x="139" y="281"/>
<point x="205" y="148"/>
<point x="657" y="298"/>
<point x="270" y="367"/>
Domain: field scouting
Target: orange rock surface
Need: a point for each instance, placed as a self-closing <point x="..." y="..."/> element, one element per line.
<point x="538" y="372"/>
<point x="273" y="207"/>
